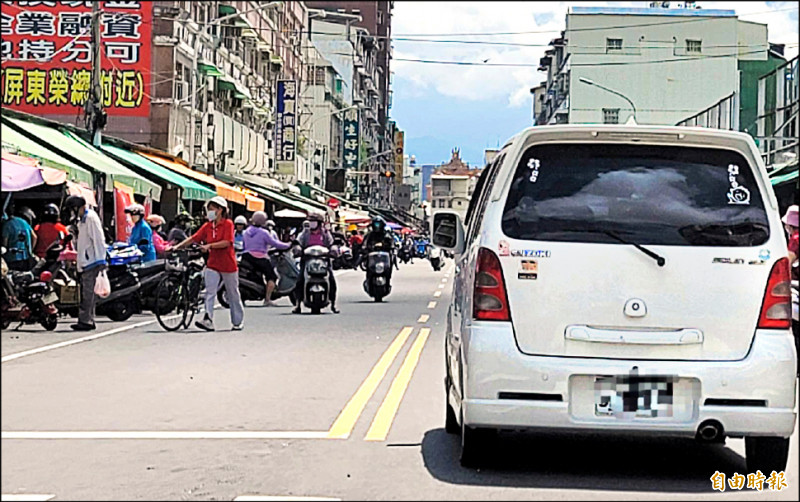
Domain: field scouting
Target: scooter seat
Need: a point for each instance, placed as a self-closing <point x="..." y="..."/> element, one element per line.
<point x="150" y="267"/>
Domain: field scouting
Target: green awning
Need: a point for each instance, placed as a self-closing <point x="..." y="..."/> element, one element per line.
<point x="280" y="198"/>
<point x="242" y="90"/>
<point x="20" y="143"/>
<point x="66" y="142"/>
<point x="209" y="69"/>
<point x="191" y="190"/>
<point x="225" y="85"/>
<point x="225" y="10"/>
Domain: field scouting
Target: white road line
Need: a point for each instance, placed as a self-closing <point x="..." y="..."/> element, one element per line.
<point x="67" y="343"/>
<point x="437" y="294"/>
<point x="432" y="305"/>
<point x="423" y="318"/>
<point x="25" y="497"/>
<point x="441" y="286"/>
<point x="255" y="498"/>
<point x="444" y="280"/>
<point x="164" y="434"/>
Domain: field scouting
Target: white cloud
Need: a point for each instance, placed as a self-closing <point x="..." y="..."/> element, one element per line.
<point x="513" y="83"/>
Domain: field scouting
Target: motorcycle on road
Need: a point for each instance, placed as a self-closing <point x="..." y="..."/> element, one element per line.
<point x="379" y="273"/>
<point x="317" y="288"/>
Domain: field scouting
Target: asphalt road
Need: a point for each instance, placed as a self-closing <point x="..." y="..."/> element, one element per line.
<point x="347" y="406"/>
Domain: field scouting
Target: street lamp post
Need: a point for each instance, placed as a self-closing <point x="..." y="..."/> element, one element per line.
<point x="612" y="91"/>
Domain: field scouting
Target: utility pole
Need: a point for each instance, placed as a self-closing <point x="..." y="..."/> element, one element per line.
<point x="94" y="106"/>
<point x="97" y="116"/>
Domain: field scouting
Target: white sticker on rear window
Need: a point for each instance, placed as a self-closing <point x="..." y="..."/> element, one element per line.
<point x="533" y="165"/>
<point x="737" y="194"/>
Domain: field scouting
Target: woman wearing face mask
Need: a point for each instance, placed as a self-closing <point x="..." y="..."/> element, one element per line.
<point x="156" y="222"/>
<point x="141" y="232"/>
<point x="217" y="238"/>
<point x="315" y="234"/>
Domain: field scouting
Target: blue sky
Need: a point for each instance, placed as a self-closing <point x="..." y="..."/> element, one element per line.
<point x="441" y="107"/>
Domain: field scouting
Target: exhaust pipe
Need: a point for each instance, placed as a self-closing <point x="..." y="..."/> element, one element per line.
<point x="710" y="431"/>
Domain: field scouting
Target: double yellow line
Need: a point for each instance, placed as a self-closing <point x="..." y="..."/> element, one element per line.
<point x="346" y="421"/>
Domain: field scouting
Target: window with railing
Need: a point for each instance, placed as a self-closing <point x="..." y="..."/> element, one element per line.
<point x="613" y="44"/>
<point x="694" y="46"/>
<point x="611" y="115"/>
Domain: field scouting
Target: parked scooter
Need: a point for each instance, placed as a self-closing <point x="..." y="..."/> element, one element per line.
<point x="316" y="294"/>
<point x="27" y="300"/>
<point x="435" y="257"/>
<point x="132" y="283"/>
<point x="251" y="284"/>
<point x="379" y="273"/>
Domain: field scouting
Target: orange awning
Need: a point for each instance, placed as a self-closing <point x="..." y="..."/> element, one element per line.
<point x="224" y="190"/>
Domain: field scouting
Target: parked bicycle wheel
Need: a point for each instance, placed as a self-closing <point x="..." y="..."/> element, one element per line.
<point x="171" y="307"/>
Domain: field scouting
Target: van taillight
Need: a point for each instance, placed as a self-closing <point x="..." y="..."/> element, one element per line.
<point x="776" y="310"/>
<point x="490" y="302"/>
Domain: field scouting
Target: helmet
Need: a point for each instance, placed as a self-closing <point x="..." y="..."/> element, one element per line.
<point x="50" y="210"/>
<point x="155" y="220"/>
<point x="27" y="214"/>
<point x="259" y="218"/>
<point x="135" y="209"/>
<point x="240" y="220"/>
<point x="306" y="225"/>
<point x="219" y="201"/>
<point x="316" y="216"/>
<point x="183" y="216"/>
<point x="270" y="224"/>
<point x="378" y="224"/>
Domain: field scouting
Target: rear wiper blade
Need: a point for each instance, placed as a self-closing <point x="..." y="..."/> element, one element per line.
<point x="658" y="258"/>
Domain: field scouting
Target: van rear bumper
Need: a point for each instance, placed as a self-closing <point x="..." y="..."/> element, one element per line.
<point x="507" y="389"/>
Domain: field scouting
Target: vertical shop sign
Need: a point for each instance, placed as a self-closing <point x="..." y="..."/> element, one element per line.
<point x="350" y="136"/>
<point x="285" y="128"/>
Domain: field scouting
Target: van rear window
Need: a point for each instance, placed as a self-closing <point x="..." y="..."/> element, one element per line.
<point x="663" y="195"/>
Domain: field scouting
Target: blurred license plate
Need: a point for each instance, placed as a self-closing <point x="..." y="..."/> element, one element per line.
<point x="50" y="298"/>
<point x="634" y="396"/>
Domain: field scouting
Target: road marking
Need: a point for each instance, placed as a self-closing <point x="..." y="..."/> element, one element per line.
<point x="386" y="413"/>
<point x="444" y="280"/>
<point x="423" y="318"/>
<point x="347" y="419"/>
<point x="164" y="434"/>
<point x="114" y="331"/>
<point x="441" y="286"/>
<point x="255" y="498"/>
<point x="432" y="305"/>
<point x="25" y="497"/>
<point x="437" y="294"/>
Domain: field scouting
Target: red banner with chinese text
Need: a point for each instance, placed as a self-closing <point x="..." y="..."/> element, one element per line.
<point x="123" y="197"/>
<point x="47" y="54"/>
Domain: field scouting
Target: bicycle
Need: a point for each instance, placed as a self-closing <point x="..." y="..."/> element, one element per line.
<point x="179" y="291"/>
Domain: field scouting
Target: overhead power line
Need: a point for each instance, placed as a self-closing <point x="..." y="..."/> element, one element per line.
<point x="531" y="65"/>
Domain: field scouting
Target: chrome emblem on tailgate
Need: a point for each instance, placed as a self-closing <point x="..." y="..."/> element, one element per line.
<point x="635" y="308"/>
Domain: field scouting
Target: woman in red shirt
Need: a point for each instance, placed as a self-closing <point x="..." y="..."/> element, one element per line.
<point x="216" y="236"/>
